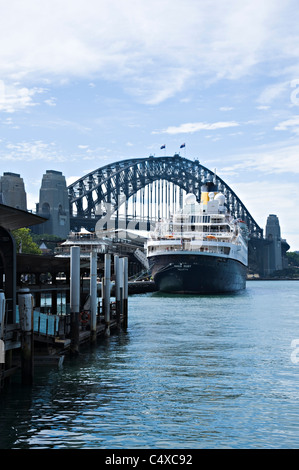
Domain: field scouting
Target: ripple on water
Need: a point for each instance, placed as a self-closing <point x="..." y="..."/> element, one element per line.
<point x="190" y="372"/>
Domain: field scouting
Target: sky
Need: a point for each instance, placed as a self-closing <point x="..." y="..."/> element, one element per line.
<point x="87" y="83"/>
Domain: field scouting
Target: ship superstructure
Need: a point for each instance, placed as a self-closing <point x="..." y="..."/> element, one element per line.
<point x="202" y="249"/>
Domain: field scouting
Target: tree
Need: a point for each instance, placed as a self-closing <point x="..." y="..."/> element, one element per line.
<point x="293" y="258"/>
<point x="24" y="242"/>
<point x="50" y="241"/>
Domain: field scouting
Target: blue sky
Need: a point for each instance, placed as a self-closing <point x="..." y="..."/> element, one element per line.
<point x="86" y="83"/>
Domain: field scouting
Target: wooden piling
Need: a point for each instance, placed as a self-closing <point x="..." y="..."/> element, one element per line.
<point x="75" y="298"/>
<point x="25" y="302"/>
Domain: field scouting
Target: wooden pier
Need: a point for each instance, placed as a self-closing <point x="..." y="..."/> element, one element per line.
<point x="32" y="333"/>
<point x="39" y="337"/>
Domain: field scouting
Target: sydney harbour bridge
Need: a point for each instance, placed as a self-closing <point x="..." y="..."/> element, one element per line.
<point x="141" y="191"/>
<point x="133" y="194"/>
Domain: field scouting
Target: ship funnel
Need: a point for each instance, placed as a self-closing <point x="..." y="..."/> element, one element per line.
<point x="207" y="187"/>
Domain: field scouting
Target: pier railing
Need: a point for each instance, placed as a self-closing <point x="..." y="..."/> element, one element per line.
<point x="47" y="324"/>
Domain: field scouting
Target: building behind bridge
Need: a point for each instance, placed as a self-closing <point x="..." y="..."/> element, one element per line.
<point x="12" y="191"/>
<point x="266" y="255"/>
<point x="54" y="205"/>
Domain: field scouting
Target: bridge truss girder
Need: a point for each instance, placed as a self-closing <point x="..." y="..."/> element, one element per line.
<point x="117" y="182"/>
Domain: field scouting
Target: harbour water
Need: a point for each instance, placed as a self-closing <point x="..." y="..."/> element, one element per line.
<point x="191" y="372"/>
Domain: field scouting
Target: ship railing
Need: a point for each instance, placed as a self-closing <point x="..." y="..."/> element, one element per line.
<point x="190" y="234"/>
<point x="204" y="248"/>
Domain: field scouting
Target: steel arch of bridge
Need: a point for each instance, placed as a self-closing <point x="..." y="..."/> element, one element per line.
<point x="114" y="183"/>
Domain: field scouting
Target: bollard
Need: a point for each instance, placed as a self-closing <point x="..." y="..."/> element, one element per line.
<point x="75" y="298"/>
<point x="25" y="301"/>
<point x="93" y="296"/>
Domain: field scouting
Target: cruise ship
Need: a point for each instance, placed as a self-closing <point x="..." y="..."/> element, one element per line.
<point x="203" y="249"/>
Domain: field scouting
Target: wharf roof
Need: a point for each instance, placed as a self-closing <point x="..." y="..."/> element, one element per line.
<point x="84" y="241"/>
<point x="12" y="218"/>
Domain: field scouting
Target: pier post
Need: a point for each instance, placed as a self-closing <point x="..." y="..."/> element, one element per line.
<point x="93" y="296"/>
<point x="25" y="302"/>
<point x="121" y="287"/>
<point x="103" y="295"/>
<point x="106" y="289"/>
<point x="2" y="313"/>
<point x="54" y="302"/>
<point x="2" y="345"/>
<point x="117" y="272"/>
<point x="125" y="292"/>
<point x="75" y="298"/>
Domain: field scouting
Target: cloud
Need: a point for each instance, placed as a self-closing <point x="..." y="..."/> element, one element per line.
<point x="290" y="124"/>
<point x="32" y="151"/>
<point x="72" y="179"/>
<point x="138" y="43"/>
<point x="65" y="123"/>
<point x="14" y="98"/>
<point x="273" y="159"/>
<point x="191" y="127"/>
<point x="273" y="92"/>
<point x="9" y="123"/>
<point x="51" y="101"/>
<point x="153" y="89"/>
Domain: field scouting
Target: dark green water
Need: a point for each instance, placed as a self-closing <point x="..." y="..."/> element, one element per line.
<point x="191" y="372"/>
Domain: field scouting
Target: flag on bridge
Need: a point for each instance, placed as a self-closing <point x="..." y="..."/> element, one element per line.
<point x="182" y="146"/>
<point x="162" y="147"/>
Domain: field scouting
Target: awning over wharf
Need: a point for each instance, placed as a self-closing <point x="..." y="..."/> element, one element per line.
<point x="12" y="218"/>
